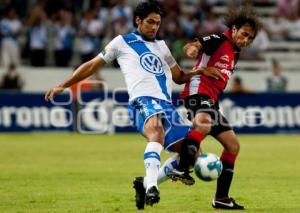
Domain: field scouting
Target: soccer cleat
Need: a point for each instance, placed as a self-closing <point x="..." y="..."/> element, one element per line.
<point x="184" y="177"/>
<point x="152" y="196"/>
<point x="226" y="203"/>
<point x="138" y="185"/>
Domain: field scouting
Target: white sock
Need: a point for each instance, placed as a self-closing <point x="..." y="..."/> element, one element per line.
<point x="152" y="163"/>
<point x="170" y="164"/>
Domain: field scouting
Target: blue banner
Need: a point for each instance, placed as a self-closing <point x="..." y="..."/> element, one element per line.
<point x="29" y="112"/>
<point x="263" y="112"/>
<point x="99" y="112"/>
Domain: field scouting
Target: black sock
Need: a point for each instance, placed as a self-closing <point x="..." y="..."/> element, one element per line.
<point x="187" y="155"/>
<point x="224" y="181"/>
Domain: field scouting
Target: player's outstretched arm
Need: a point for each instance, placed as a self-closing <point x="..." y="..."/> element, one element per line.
<point x="213" y="72"/>
<point x="180" y="77"/>
<point x="83" y="71"/>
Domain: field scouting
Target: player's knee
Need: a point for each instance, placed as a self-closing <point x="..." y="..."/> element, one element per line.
<point x="155" y="133"/>
<point x="204" y="130"/>
<point x="234" y="148"/>
<point x="159" y="132"/>
<point x="202" y="124"/>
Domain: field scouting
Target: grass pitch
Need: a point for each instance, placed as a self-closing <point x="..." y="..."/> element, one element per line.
<point x="93" y="173"/>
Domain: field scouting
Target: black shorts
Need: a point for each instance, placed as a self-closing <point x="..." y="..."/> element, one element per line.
<point x="203" y="103"/>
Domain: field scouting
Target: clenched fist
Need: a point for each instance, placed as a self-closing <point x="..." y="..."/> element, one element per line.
<point x="192" y="49"/>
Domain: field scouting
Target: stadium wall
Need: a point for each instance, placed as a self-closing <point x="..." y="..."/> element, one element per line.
<point x="106" y="112"/>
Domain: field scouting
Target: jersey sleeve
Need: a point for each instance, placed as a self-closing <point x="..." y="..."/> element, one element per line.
<point x="210" y="43"/>
<point x="111" y="50"/>
<point x="168" y="56"/>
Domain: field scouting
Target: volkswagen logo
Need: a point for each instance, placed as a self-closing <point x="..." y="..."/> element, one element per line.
<point x="151" y="63"/>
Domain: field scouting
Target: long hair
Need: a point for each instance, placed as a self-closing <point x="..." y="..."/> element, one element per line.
<point x="145" y="8"/>
<point x="240" y="16"/>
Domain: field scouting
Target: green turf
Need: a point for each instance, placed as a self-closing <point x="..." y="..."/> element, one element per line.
<point x="91" y="173"/>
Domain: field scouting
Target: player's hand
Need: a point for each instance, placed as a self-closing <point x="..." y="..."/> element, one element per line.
<point x="53" y="92"/>
<point x="197" y="71"/>
<point x="213" y="73"/>
<point x="192" y="49"/>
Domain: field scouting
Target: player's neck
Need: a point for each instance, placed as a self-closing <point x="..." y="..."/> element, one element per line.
<point x="143" y="37"/>
<point x="228" y="34"/>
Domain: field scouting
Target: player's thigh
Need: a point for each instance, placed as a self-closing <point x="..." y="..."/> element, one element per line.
<point x="201" y="109"/>
<point x="229" y="141"/>
<point x="146" y="114"/>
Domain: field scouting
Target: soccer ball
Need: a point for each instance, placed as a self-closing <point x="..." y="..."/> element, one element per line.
<point x="208" y="166"/>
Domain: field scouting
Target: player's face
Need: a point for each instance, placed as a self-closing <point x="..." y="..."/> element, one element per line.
<point x="149" y="25"/>
<point x="243" y="37"/>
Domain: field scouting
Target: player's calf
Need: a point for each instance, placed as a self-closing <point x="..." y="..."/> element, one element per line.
<point x="189" y="148"/>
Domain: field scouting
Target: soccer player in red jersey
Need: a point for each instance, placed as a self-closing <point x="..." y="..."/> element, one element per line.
<point x="201" y="93"/>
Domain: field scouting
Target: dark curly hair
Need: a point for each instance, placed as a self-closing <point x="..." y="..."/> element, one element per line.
<point x="240" y="16"/>
<point x="145" y="8"/>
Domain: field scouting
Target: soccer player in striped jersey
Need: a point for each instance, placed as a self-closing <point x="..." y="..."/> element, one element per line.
<point x="202" y="92"/>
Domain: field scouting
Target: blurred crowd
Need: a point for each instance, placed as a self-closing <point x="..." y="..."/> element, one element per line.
<point x="31" y="30"/>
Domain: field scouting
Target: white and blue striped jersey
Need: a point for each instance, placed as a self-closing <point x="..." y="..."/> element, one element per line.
<point x="144" y="64"/>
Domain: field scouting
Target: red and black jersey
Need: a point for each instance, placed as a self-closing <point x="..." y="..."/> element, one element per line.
<point x="217" y="51"/>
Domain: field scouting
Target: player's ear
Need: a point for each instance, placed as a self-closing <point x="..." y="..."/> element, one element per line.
<point x="234" y="29"/>
<point x="138" y="20"/>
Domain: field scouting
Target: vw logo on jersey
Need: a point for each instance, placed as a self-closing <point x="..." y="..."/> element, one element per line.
<point x="151" y="63"/>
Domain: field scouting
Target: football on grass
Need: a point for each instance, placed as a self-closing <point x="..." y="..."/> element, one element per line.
<point x="208" y="166"/>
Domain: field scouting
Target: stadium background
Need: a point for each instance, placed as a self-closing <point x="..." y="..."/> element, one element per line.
<point x="47" y="167"/>
<point x="38" y="37"/>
